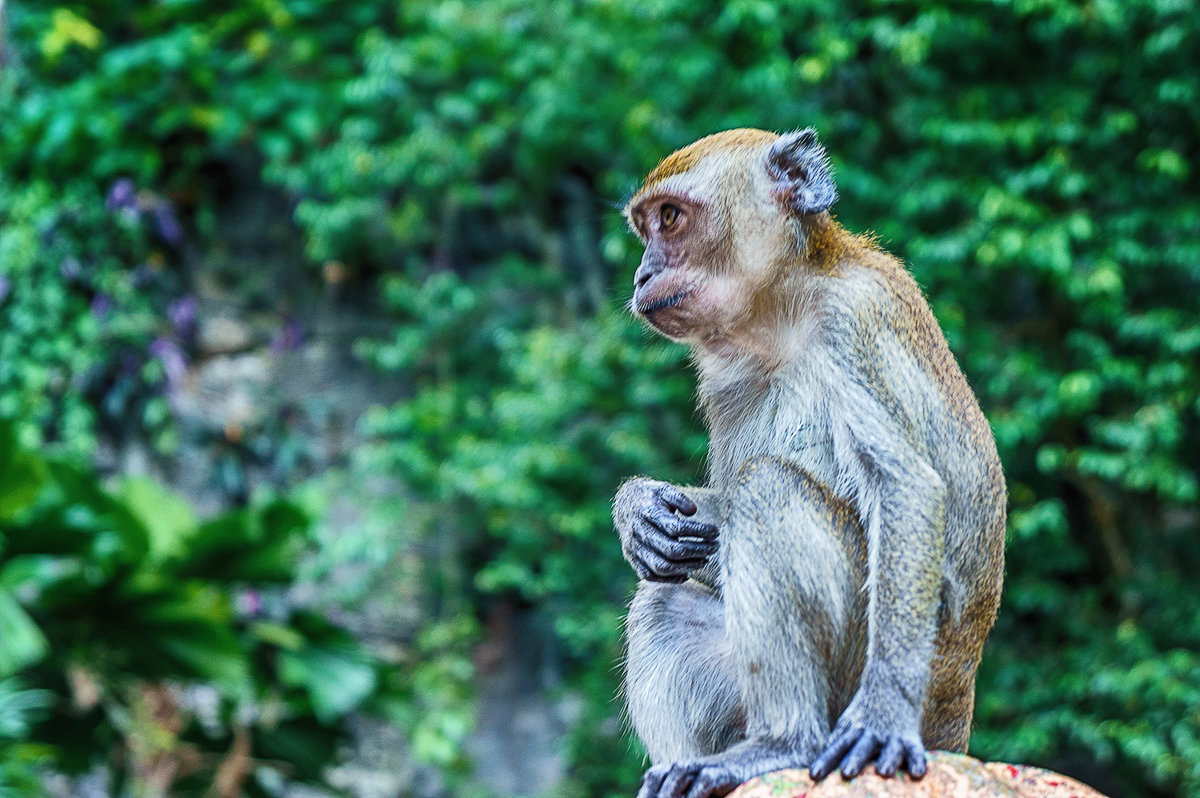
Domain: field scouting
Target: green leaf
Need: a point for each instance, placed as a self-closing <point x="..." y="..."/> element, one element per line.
<point x="336" y="678"/>
<point x="22" y="475"/>
<point x="167" y="516"/>
<point x="21" y="641"/>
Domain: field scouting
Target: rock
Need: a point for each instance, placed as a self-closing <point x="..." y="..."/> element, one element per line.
<point x="221" y="335"/>
<point x="949" y="776"/>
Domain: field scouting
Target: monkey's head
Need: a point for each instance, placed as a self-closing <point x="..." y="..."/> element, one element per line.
<point x="722" y="220"/>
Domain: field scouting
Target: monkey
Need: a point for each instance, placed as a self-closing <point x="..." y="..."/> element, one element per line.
<point x="823" y="601"/>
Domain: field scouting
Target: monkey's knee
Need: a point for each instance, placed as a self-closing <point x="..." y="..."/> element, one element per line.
<point x="766" y="486"/>
<point x="763" y="479"/>
<point x="794" y="563"/>
<point x="779" y="511"/>
<point x="680" y="689"/>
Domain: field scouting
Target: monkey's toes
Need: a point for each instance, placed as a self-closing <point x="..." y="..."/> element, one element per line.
<point x="652" y="781"/>
<point x="688" y="780"/>
<point x="852" y="749"/>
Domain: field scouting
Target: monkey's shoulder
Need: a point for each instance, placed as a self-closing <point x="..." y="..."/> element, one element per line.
<point x="873" y="289"/>
<point x="878" y="317"/>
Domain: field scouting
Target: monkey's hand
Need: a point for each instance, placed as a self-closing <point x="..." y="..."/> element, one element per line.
<point x="881" y="724"/>
<point x="660" y="542"/>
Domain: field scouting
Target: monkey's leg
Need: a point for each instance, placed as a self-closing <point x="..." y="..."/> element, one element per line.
<point x="950" y="702"/>
<point x="679" y="683"/>
<point x="792" y="560"/>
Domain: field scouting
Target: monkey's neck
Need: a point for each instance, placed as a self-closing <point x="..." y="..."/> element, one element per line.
<point x="784" y="311"/>
<point x="778" y="330"/>
<point x="747" y="372"/>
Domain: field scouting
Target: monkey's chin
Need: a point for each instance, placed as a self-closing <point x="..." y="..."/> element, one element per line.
<point x="669" y="324"/>
<point x="663" y="315"/>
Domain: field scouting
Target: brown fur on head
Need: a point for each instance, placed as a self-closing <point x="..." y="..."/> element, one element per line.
<point x="722" y="220"/>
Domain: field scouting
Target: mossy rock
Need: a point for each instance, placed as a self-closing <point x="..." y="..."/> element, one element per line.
<point x="949" y="776"/>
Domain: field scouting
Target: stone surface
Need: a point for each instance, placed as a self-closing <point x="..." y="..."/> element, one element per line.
<point x="949" y="776"/>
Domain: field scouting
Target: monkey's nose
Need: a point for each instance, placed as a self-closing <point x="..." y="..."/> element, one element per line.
<point x="652" y="263"/>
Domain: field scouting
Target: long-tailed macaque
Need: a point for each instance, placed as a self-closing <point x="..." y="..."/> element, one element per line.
<point x="823" y="602"/>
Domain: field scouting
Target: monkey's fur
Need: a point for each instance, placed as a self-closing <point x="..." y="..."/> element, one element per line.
<point x="824" y="601"/>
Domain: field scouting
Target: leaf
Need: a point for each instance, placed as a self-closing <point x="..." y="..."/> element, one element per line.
<point x="166" y="516"/>
<point x="250" y="545"/>
<point x="336" y="678"/>
<point x="21" y="641"/>
<point x="19" y="707"/>
<point x="22" y="475"/>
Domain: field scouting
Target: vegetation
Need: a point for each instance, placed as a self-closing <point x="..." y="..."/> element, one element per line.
<point x="1034" y="162"/>
<point x="110" y="600"/>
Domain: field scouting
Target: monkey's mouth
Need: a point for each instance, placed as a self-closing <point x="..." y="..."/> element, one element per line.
<point x="658" y="304"/>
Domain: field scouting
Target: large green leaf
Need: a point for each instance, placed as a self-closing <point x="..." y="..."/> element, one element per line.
<point x="336" y="679"/>
<point x="22" y="474"/>
<point x="21" y="641"/>
<point x="167" y="516"/>
<point x="256" y="544"/>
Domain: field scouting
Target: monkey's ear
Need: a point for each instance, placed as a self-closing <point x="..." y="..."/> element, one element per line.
<point x="799" y="168"/>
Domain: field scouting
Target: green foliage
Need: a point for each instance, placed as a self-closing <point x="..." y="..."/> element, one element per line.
<point x="81" y="296"/>
<point x="1054" y="227"/>
<point x="1034" y="162"/>
<point x="113" y="601"/>
<point x="20" y="707"/>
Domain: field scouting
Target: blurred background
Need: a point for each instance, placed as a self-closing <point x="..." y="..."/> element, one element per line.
<point x="316" y="380"/>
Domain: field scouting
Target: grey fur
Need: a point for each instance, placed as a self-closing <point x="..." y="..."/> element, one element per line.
<point x="826" y="601"/>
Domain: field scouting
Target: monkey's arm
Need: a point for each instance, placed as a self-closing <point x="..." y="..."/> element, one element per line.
<point x="901" y="500"/>
<point x="666" y="534"/>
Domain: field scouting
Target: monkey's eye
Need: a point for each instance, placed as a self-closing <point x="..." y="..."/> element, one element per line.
<point x="668" y="215"/>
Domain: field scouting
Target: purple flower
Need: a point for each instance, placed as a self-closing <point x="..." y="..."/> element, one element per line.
<point x="174" y="362"/>
<point x="249" y="603"/>
<point x="182" y="315"/>
<point x="101" y="305"/>
<point x="5" y="287"/>
<point x="289" y="337"/>
<point x="166" y="225"/>
<point x="122" y="196"/>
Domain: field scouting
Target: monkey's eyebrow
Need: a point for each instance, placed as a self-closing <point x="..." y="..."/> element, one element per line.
<point x="663" y="190"/>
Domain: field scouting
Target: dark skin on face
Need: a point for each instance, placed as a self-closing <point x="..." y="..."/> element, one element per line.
<point x="664" y="282"/>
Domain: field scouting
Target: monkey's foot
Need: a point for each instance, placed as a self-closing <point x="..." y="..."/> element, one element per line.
<point x="857" y="746"/>
<point x="693" y="779"/>
<point x="720" y="774"/>
<point x="880" y="725"/>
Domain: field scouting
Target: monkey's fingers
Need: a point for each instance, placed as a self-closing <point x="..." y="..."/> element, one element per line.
<point x="678" y="527"/>
<point x="675" y="499"/>
<point x="679" y="779"/>
<point x="686" y="527"/>
<point x="915" y="754"/>
<point x="675" y="526"/>
<point x="672" y="547"/>
<point x="890" y="758"/>
<point x="645" y="572"/>
<point x="652" y="781"/>
<point x="664" y="569"/>
<point x="713" y="781"/>
<point x="835" y="749"/>
<point x="862" y="753"/>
